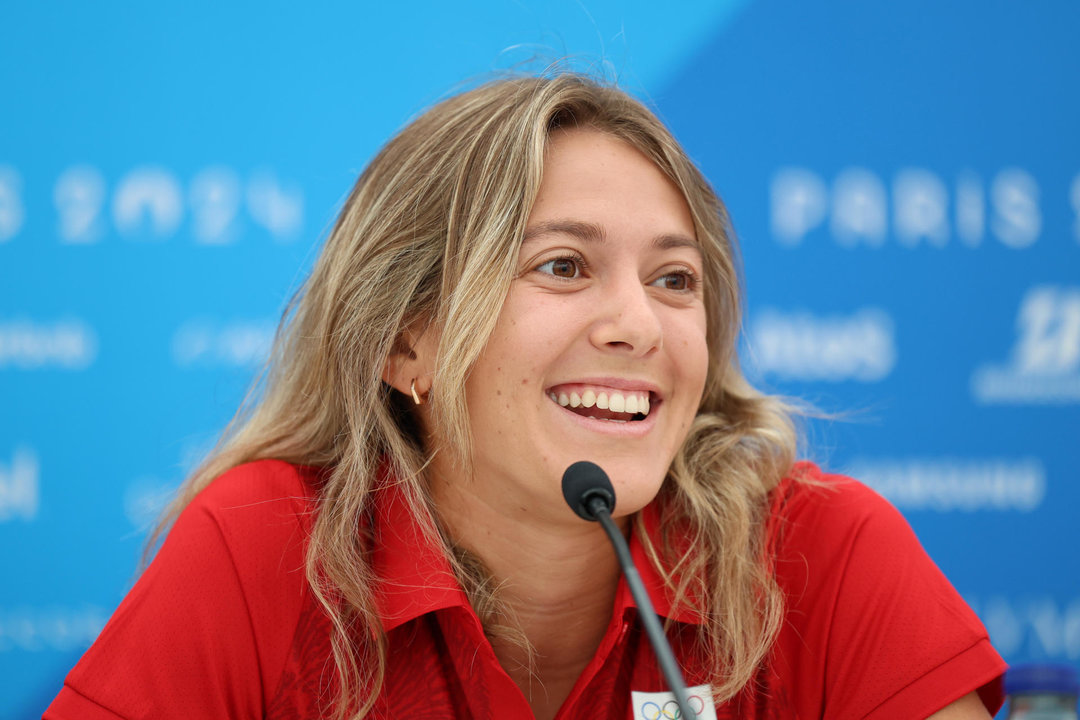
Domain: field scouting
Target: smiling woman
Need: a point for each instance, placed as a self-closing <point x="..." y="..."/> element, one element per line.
<point x="530" y="274"/>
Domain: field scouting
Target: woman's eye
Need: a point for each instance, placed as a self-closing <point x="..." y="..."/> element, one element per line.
<point x="561" y="267"/>
<point x="675" y="281"/>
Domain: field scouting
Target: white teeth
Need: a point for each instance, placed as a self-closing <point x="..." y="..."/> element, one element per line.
<point x="631" y="403"/>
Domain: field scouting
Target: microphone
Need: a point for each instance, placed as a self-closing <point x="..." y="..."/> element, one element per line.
<point x="589" y="493"/>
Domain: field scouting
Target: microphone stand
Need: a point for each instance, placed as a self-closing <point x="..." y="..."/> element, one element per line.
<point x="599" y="509"/>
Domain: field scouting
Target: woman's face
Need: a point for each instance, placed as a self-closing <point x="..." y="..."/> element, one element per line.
<point x="599" y="352"/>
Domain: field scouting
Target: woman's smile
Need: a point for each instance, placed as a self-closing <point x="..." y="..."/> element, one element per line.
<point x="609" y="406"/>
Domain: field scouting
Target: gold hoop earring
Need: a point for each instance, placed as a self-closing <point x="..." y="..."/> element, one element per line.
<point x="415" y="395"/>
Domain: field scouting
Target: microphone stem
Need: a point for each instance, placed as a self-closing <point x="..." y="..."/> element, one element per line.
<point x="653" y="629"/>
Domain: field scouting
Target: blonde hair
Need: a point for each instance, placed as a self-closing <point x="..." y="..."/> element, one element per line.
<point x="430" y="234"/>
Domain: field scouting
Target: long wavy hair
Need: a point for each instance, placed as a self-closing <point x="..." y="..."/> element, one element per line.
<point x="430" y="234"/>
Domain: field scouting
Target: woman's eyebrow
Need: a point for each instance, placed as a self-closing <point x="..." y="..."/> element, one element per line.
<point x="591" y="232"/>
<point x="667" y="242"/>
<point x="584" y="231"/>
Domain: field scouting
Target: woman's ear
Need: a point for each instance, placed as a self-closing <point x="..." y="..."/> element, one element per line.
<point x="411" y="366"/>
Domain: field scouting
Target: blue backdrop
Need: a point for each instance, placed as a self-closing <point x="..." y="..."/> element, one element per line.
<point x="905" y="180"/>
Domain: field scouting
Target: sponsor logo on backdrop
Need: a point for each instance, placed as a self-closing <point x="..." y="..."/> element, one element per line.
<point x="68" y="344"/>
<point x="12" y="212"/>
<point x="204" y="342"/>
<point x="1032" y="627"/>
<point x="954" y="484"/>
<point x="799" y="345"/>
<point x="43" y="629"/>
<point x="915" y="207"/>
<point x="19" y="485"/>
<point x="150" y="202"/>
<point x="1044" y="366"/>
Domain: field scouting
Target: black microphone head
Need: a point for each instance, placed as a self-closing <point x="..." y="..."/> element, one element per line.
<point x="582" y="484"/>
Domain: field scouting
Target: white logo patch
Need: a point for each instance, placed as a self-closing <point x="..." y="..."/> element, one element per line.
<point x="662" y="705"/>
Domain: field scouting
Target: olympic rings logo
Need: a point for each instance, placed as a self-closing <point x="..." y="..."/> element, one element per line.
<point x="670" y="710"/>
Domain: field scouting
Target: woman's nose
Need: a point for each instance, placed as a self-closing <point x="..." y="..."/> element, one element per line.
<point x="627" y="319"/>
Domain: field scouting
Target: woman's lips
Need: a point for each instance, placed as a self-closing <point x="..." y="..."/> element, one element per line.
<point x="628" y="411"/>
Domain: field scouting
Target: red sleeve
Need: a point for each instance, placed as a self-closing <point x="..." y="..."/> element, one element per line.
<point x="888" y="635"/>
<point x="206" y="630"/>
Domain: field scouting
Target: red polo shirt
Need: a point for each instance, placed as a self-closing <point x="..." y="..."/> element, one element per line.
<point x="222" y="624"/>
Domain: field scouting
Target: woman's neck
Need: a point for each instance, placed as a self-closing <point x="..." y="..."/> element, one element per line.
<point x="556" y="583"/>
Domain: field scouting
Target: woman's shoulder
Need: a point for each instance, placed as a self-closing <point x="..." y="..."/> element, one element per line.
<point x="826" y="526"/>
<point x="811" y="497"/>
<point x="866" y="603"/>
<point x="256" y="511"/>
<point x="258" y="516"/>
<point x="253" y="484"/>
<point x="256" y="497"/>
<point x="208" y="628"/>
